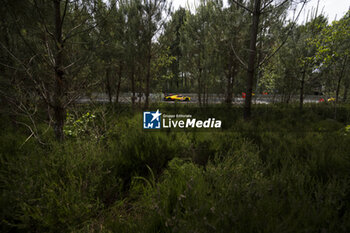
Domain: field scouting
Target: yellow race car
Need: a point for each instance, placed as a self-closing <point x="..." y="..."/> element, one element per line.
<point x="176" y="97"/>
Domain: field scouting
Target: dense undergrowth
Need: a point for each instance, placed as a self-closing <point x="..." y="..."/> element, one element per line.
<point x="284" y="171"/>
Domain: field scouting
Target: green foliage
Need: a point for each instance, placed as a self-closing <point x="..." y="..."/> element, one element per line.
<point x="242" y="193"/>
<point x="333" y="41"/>
<point x="159" y="68"/>
<point x="284" y="173"/>
<point x="51" y="190"/>
<point x="78" y="127"/>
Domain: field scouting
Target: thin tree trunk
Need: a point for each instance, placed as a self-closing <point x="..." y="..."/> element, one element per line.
<point x="346" y="88"/>
<point x="139" y="86"/>
<point x="228" y="98"/>
<point x="182" y="82"/>
<point x="148" y="75"/>
<point x="207" y="91"/>
<point x="229" y="84"/>
<point x="252" y="57"/>
<point x="200" y="87"/>
<point x="205" y="95"/>
<point x="338" y="89"/>
<point x="119" y="82"/>
<point x="339" y="80"/>
<point x="301" y="101"/>
<point x="133" y="98"/>
<point x="202" y="93"/>
<point x="59" y="91"/>
<point x="108" y="85"/>
<point x="177" y="82"/>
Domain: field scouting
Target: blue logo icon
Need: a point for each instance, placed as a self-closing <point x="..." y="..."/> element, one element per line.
<point x="151" y="120"/>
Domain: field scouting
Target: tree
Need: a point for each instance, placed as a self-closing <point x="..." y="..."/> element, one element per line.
<point x="232" y="38"/>
<point x="257" y="8"/>
<point x="199" y="48"/>
<point x="172" y="38"/>
<point x="333" y="49"/>
<point x="153" y="21"/>
<point x="133" y="44"/>
<point x="192" y="49"/>
<point x="57" y="37"/>
<point x="112" y="52"/>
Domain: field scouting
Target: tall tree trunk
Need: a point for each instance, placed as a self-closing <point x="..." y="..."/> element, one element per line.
<point x="177" y="82"/>
<point x="108" y="85"/>
<point x="338" y="89"/>
<point x="59" y="91"/>
<point x="148" y="74"/>
<point x="339" y="80"/>
<point x="346" y="88"/>
<point x="207" y="94"/>
<point x="229" y="84"/>
<point x="147" y="82"/>
<point x="200" y="86"/>
<point x="199" y="91"/>
<point x="119" y="82"/>
<point x="182" y="82"/>
<point x="139" y="85"/>
<point x="302" y="84"/>
<point x="252" y="57"/>
<point x="133" y="98"/>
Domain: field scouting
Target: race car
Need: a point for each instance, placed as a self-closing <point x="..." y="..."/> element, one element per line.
<point x="244" y="95"/>
<point x="176" y="97"/>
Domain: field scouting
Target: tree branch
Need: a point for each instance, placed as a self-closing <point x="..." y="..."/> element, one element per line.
<point x="243" y="6"/>
<point x="64" y="11"/>
<point x="267" y="5"/>
<point x="285" y="40"/>
<point x="238" y="58"/>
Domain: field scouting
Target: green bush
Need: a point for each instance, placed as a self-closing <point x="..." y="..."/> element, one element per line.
<point x="285" y="172"/>
<point x="53" y="190"/>
<point x="239" y="194"/>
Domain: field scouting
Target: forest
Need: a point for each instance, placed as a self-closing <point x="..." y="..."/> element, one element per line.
<point x="78" y="76"/>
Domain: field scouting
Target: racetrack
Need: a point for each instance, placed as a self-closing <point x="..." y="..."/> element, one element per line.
<point x="210" y="99"/>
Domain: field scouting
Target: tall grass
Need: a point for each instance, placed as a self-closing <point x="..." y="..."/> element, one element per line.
<point x="284" y="171"/>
